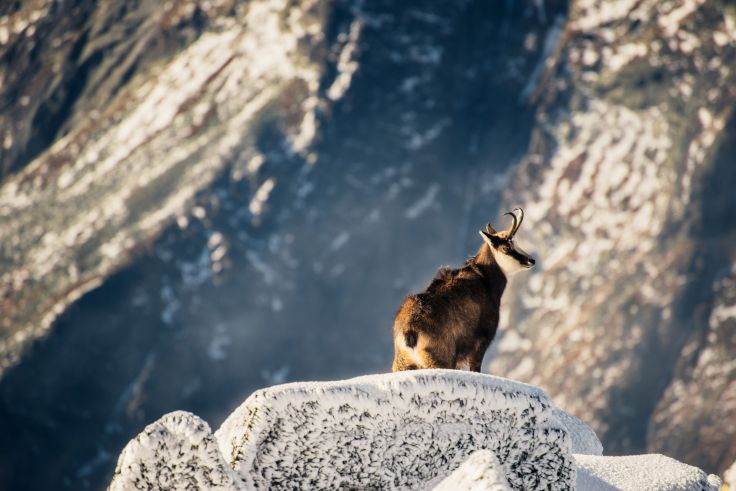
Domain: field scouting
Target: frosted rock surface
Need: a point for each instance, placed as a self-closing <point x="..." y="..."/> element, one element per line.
<point x="406" y="430"/>
<point x="653" y="472"/>
<point x="583" y="438"/>
<point x="410" y="430"/>
<point x="481" y="472"/>
<point x="176" y="452"/>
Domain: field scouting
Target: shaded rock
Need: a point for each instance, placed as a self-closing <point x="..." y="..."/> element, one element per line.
<point x="702" y="393"/>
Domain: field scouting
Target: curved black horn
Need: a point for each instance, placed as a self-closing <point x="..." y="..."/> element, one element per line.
<point x="521" y="219"/>
<point x="514" y="226"/>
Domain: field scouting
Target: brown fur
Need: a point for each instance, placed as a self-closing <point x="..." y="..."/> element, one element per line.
<point x="454" y="320"/>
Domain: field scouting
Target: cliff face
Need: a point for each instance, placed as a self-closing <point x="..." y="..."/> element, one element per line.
<point x="628" y="321"/>
<point x="149" y="128"/>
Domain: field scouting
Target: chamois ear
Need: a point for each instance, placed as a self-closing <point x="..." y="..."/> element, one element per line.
<point x="490" y="239"/>
<point x="490" y="229"/>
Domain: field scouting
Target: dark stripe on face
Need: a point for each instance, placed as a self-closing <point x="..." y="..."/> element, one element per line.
<point x="520" y="257"/>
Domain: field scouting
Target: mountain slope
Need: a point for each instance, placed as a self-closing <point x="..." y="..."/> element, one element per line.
<point x="629" y="221"/>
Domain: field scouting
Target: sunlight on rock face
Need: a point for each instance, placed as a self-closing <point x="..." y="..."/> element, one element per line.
<point x="612" y="193"/>
<point x="229" y="77"/>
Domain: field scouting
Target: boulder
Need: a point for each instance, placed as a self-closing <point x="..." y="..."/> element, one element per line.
<point x="176" y="452"/>
<point x="405" y="430"/>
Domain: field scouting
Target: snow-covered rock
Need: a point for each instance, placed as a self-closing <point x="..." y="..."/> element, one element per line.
<point x="410" y="430"/>
<point x="481" y="472"/>
<point x="583" y="438"/>
<point x="176" y="452"/>
<point x="405" y="430"/>
<point x="652" y="472"/>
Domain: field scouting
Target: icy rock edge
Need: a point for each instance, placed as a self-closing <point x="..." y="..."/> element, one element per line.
<point x="406" y="430"/>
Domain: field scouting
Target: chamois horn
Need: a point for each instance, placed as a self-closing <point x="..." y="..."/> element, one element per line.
<point x="517" y="221"/>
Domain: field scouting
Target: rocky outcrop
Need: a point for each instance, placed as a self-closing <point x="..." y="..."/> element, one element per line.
<point x="630" y="227"/>
<point x="408" y="430"/>
<point x="395" y="430"/>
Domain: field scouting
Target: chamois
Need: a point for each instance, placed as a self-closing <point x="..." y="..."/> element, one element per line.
<point x="453" y="321"/>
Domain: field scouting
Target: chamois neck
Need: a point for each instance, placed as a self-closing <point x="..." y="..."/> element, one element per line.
<point x="484" y="256"/>
<point x="487" y="266"/>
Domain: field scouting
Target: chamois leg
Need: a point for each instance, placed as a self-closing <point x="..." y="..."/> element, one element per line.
<point x="403" y="362"/>
<point x="423" y="359"/>
<point x="462" y="362"/>
<point x="476" y="359"/>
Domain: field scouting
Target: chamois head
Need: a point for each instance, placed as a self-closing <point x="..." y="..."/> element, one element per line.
<point x="509" y="257"/>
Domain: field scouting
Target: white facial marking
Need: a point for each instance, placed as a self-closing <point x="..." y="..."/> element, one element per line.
<point x="464" y="365"/>
<point x="508" y="264"/>
<point x="412" y="353"/>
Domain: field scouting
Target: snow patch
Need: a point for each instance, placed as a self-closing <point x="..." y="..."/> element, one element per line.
<point x="653" y="472"/>
<point x="419" y="140"/>
<point x="481" y="472"/>
<point x="346" y="63"/>
<point x="258" y="203"/>
<point x="671" y="22"/>
<point x="423" y="204"/>
<point x="590" y="14"/>
<point x="219" y="342"/>
<point x="339" y="241"/>
<point x="721" y="313"/>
